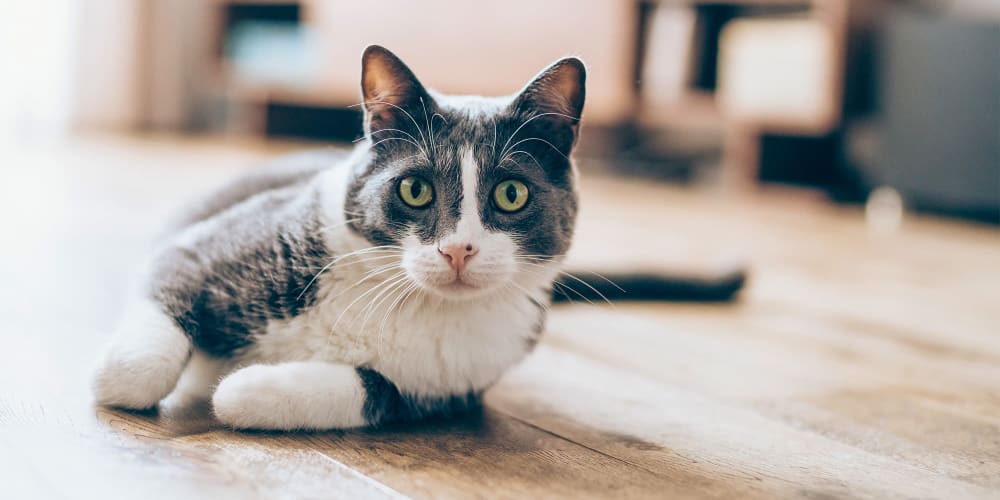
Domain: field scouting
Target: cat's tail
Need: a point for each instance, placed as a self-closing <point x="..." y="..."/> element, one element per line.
<point x="589" y="286"/>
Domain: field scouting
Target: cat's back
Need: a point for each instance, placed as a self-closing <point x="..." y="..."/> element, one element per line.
<point x="280" y="174"/>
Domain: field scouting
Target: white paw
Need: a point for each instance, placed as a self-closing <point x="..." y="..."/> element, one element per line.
<point x="244" y="399"/>
<point x="290" y="396"/>
<point x="144" y="361"/>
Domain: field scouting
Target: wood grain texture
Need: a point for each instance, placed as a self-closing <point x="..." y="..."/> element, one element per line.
<point x="857" y="364"/>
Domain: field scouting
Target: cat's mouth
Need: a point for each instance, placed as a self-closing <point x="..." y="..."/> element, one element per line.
<point x="431" y="273"/>
<point x="459" y="287"/>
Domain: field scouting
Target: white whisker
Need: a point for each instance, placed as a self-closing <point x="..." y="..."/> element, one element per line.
<point x="363" y="295"/>
<point x="529" y="120"/>
<point x="580" y="280"/>
<point x="542" y="140"/>
<point x="409" y="135"/>
<point x="408" y="115"/>
<point x="404" y="295"/>
<point x="381" y="297"/>
<point x="510" y="157"/>
<point x="387" y="139"/>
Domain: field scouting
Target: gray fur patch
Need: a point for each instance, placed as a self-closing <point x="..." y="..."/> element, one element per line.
<point x="253" y="268"/>
<point x="384" y="404"/>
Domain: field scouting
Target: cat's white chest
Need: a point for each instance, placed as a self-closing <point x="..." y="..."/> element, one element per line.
<point x="439" y="348"/>
<point x="425" y="345"/>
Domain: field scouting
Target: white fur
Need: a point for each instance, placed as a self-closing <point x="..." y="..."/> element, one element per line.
<point x="427" y="345"/>
<point x="288" y="396"/>
<point x="474" y="105"/>
<point x="144" y="360"/>
<point x="438" y="347"/>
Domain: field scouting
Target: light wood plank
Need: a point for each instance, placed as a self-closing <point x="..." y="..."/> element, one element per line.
<point x="661" y="428"/>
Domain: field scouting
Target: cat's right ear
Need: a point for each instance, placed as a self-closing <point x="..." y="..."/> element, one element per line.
<point x="554" y="101"/>
<point x="392" y="94"/>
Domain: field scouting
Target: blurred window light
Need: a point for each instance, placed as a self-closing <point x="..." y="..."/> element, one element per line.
<point x="778" y="72"/>
<point x="37" y="64"/>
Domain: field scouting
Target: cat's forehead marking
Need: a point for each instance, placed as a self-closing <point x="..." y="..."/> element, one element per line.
<point x="468" y="227"/>
<point x="470" y="188"/>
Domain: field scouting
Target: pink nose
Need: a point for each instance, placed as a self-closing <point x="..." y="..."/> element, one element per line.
<point x="458" y="255"/>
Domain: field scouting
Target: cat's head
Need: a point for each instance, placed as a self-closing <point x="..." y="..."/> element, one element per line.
<point x="476" y="194"/>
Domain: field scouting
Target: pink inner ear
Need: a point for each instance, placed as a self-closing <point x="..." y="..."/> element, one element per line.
<point x="566" y="81"/>
<point x="381" y="81"/>
<point x="385" y="78"/>
<point x="380" y="85"/>
<point x="559" y="88"/>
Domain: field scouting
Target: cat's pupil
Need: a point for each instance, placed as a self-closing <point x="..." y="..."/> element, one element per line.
<point x="415" y="189"/>
<point x="511" y="193"/>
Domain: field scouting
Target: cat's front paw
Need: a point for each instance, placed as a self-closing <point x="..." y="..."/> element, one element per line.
<point x="242" y="399"/>
<point x="290" y="396"/>
<point x="134" y="382"/>
<point x="144" y="361"/>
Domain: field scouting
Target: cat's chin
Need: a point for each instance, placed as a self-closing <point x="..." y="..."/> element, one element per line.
<point x="459" y="291"/>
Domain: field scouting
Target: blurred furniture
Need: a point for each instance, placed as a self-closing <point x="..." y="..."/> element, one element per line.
<point x="696" y="76"/>
<point x="744" y="69"/>
<point x="770" y="90"/>
<point x="938" y="132"/>
<point x="263" y="66"/>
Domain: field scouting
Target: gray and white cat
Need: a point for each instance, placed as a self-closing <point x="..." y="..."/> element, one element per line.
<point x="392" y="284"/>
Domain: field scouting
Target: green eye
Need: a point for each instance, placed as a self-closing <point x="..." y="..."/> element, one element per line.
<point x="510" y="195"/>
<point x="416" y="192"/>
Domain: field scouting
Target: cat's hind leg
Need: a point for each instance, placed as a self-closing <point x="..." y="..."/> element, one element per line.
<point x="288" y="396"/>
<point x="144" y="361"/>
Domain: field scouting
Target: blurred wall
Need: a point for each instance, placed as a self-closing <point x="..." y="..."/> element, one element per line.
<point x="37" y="41"/>
<point x="107" y="63"/>
<point x="489" y="48"/>
<point x="186" y="80"/>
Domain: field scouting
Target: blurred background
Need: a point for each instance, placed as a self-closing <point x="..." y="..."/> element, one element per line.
<point x="831" y="98"/>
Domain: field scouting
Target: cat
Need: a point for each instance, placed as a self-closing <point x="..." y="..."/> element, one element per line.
<point x="394" y="283"/>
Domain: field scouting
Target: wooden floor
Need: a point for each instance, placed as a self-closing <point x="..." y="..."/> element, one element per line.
<point x="857" y="364"/>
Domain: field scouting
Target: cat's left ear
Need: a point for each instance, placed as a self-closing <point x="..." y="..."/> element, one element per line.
<point x="556" y="98"/>
<point x="392" y="94"/>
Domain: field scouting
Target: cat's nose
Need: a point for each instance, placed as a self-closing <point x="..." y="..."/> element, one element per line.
<point x="458" y="255"/>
